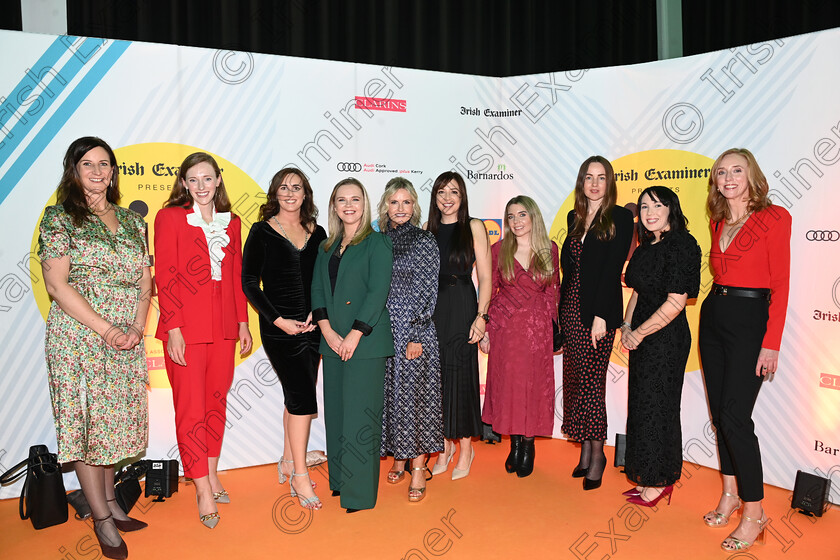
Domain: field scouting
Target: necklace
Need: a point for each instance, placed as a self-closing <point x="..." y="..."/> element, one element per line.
<point x="286" y="235"/>
<point x="739" y="220"/>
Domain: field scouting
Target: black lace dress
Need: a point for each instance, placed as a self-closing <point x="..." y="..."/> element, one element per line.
<point x="657" y="366"/>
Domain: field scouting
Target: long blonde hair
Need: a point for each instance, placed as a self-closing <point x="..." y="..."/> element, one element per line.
<point x="337" y="226"/>
<point x="541" y="266"/>
<point x="392" y="187"/>
<point x="756" y="181"/>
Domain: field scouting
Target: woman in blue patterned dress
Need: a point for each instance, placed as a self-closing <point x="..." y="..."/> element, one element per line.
<point x="412" y="421"/>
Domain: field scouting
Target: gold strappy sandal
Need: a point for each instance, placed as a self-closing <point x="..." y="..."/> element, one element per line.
<point x="716" y="519"/>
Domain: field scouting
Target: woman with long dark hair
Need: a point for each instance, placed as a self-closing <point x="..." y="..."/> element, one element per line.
<point x="459" y="319"/>
<point x="198" y="272"/>
<point x="349" y="292"/>
<point x="664" y="274"/>
<point x="277" y="265"/>
<point x="519" y="396"/>
<point x="96" y="270"/>
<point x="741" y="324"/>
<point x="592" y="259"/>
<point x="412" y="424"/>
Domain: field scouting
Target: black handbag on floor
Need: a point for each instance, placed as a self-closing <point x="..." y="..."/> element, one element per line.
<point x="127" y="484"/>
<point x="43" y="499"/>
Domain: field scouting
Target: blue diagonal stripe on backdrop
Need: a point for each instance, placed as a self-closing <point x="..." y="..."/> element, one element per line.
<point x="60" y="117"/>
<point x="50" y="92"/>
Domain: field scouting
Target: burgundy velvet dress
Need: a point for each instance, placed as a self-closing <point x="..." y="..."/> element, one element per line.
<point x="519" y="395"/>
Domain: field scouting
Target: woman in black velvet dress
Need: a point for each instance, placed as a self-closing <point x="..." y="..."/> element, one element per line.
<point x="280" y="252"/>
<point x="664" y="273"/>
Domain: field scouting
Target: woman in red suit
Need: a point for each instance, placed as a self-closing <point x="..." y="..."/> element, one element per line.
<point x="198" y="271"/>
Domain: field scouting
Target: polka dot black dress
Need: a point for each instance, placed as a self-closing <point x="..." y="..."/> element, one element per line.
<point x="584" y="367"/>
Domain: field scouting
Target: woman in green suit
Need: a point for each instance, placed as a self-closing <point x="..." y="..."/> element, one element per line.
<point x="349" y="289"/>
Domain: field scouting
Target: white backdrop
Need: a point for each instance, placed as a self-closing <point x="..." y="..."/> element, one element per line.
<point x="660" y="123"/>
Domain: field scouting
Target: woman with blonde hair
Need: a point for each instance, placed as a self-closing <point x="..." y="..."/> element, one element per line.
<point x="741" y="324"/>
<point x="412" y="424"/>
<point x="519" y="396"/>
<point x="349" y="291"/>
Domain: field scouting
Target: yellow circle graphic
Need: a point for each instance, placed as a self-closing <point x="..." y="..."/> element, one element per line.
<point x="147" y="173"/>
<point x="687" y="174"/>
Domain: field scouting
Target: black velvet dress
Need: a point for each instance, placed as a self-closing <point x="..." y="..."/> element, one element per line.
<point x="657" y="367"/>
<point x="286" y="276"/>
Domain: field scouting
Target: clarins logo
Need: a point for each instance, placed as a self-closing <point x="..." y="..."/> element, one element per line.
<point x="828" y="381"/>
<point x="381" y="104"/>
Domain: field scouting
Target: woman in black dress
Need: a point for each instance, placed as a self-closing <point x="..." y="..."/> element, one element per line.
<point x="664" y="273"/>
<point x="280" y="252"/>
<point x="592" y="258"/>
<point x="459" y="320"/>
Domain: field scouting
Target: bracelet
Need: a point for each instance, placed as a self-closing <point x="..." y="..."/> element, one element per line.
<point x="625" y="324"/>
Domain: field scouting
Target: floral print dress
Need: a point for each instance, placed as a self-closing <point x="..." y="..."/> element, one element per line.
<point x="98" y="394"/>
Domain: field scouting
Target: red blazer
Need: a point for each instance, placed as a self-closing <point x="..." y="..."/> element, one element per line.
<point x="182" y="276"/>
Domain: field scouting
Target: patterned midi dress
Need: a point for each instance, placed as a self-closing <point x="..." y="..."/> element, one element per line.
<point x="412" y="421"/>
<point x="98" y="394"/>
<point x="584" y="367"/>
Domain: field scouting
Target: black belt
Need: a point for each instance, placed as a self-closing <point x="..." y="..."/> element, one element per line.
<point x="453" y="279"/>
<point x="758" y="293"/>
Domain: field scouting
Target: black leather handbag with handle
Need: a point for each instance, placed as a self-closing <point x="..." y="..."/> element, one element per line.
<point x="43" y="499"/>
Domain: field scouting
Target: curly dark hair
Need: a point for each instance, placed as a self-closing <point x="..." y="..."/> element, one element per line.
<point x="308" y="210"/>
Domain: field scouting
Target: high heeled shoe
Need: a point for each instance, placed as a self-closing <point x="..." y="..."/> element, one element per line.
<point x="639" y="500"/>
<point x="419" y="493"/>
<point x="221" y="497"/>
<point x="395" y="477"/>
<point x="716" y="519"/>
<point x="308" y="503"/>
<point x="632" y="492"/>
<point x="732" y="544"/>
<point x="440" y="469"/>
<point x="283" y="477"/>
<point x="119" y="552"/>
<point x="457" y="473"/>
<point x="209" y="520"/>
<point x="579" y="472"/>
<point x="130" y="524"/>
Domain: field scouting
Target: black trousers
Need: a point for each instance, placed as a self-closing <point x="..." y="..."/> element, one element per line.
<point x="731" y="332"/>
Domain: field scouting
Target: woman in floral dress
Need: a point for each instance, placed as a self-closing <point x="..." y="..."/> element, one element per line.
<point x="95" y="264"/>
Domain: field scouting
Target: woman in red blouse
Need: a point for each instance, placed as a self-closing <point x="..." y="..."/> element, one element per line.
<point x="741" y="325"/>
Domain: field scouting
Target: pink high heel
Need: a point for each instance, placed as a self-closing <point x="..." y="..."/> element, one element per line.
<point x="638" y="500"/>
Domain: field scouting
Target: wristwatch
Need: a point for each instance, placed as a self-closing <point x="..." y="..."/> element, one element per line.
<point x="485" y="316"/>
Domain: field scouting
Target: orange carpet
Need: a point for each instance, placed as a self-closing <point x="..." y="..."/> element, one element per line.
<point x="487" y="515"/>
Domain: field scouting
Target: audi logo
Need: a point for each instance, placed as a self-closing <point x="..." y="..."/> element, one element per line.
<point x="348" y="166"/>
<point x="822" y="235"/>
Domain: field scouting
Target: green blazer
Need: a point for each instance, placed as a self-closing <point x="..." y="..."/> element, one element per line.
<point x="361" y="290"/>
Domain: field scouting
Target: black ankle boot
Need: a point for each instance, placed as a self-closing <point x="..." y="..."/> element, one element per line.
<point x="526" y="465"/>
<point x="515" y="457"/>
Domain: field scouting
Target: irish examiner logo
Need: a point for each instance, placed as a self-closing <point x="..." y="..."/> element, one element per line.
<point x="381" y="104"/>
